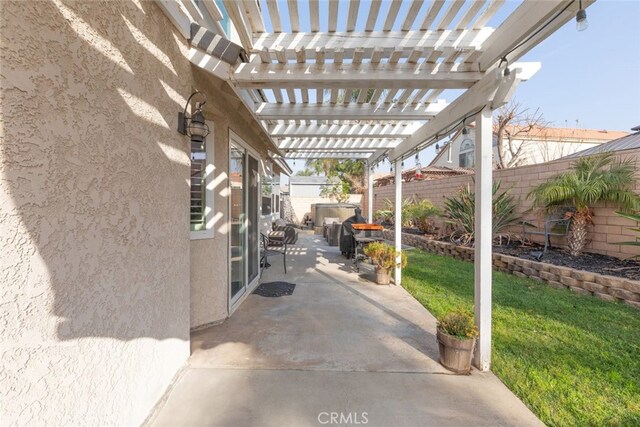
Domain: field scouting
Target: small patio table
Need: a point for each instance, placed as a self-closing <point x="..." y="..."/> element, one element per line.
<point x="363" y="235"/>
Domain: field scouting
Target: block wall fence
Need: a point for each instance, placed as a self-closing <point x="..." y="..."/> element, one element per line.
<point x="607" y="230"/>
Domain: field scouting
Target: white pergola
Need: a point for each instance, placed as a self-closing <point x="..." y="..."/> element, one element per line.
<point x="365" y="80"/>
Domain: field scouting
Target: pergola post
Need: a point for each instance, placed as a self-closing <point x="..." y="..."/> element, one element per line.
<point x="398" y="219"/>
<point x="369" y="193"/>
<point x="483" y="237"/>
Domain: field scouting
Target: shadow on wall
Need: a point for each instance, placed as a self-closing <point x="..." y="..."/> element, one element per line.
<point x="94" y="174"/>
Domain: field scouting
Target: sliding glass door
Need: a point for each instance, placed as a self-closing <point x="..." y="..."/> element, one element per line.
<point x="244" y="179"/>
<point x="238" y="220"/>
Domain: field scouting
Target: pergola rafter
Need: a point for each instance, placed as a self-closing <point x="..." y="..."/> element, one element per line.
<point x="360" y="144"/>
<point x="351" y="111"/>
<point x="346" y="130"/>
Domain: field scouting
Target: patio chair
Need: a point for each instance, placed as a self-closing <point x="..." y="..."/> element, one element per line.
<point x="266" y="243"/>
<point x="556" y="223"/>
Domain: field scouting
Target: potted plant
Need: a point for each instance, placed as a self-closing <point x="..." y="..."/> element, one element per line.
<point x="456" y="334"/>
<point x="383" y="257"/>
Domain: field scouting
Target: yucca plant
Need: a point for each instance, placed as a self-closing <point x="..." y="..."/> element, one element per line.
<point x="632" y="217"/>
<point x="598" y="178"/>
<point x="460" y="211"/>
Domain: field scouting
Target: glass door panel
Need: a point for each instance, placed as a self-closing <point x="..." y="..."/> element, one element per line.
<point x="238" y="220"/>
<point x="253" y="178"/>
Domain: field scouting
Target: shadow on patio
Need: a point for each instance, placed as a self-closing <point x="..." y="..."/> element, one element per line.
<point x="341" y="344"/>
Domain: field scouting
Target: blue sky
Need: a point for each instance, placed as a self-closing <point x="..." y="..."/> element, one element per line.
<point x="591" y="76"/>
<point x="589" y="79"/>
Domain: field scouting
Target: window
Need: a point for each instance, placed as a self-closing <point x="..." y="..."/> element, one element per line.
<point x="266" y="195"/>
<point x="201" y="188"/>
<point x="466" y="154"/>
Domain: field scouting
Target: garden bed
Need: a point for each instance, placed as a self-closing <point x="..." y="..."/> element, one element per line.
<point x="603" y="286"/>
<point x="594" y="263"/>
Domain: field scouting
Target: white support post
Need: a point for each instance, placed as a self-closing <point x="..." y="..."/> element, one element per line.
<point x="398" y="219"/>
<point x="369" y="193"/>
<point x="483" y="237"/>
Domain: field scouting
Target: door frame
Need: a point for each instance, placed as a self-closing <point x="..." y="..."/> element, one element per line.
<point x="235" y="301"/>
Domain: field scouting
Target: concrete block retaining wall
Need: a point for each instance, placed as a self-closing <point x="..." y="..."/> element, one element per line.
<point x="608" y="288"/>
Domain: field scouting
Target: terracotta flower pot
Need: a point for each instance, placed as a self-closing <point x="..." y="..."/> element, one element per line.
<point x="455" y="353"/>
<point x="382" y="276"/>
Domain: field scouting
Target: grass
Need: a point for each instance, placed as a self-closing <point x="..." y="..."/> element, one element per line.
<point x="573" y="359"/>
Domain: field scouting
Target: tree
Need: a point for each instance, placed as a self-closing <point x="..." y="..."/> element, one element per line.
<point x="510" y="124"/>
<point x="349" y="172"/>
<point x="598" y="178"/>
<point x="305" y="172"/>
<point x="339" y="191"/>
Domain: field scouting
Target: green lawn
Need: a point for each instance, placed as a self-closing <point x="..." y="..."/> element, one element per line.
<point x="573" y="359"/>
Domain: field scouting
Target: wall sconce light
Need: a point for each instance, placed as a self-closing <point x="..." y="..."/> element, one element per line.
<point x="193" y="126"/>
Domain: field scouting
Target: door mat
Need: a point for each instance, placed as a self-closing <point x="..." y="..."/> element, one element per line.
<point x="275" y="289"/>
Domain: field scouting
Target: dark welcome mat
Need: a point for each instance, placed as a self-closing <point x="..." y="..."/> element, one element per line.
<point x="275" y="289"/>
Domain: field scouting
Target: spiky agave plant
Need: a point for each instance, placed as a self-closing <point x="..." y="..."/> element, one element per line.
<point x="598" y="178"/>
<point x="460" y="212"/>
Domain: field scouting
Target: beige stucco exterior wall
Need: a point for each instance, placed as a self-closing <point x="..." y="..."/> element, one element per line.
<point x="94" y="272"/>
<point x="210" y="257"/>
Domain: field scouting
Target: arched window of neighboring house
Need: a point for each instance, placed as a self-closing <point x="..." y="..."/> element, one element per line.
<point x="466" y="154"/>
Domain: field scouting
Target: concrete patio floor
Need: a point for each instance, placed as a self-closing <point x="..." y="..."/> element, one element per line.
<point x="339" y="344"/>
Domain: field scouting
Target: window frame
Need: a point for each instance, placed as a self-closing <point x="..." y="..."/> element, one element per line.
<point x="209" y="192"/>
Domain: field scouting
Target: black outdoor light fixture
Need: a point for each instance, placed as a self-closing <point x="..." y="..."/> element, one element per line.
<point x="193" y="126"/>
<point x="581" y="18"/>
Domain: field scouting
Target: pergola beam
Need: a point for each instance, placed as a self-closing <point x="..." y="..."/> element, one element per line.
<point x="407" y="41"/>
<point x="352" y="76"/>
<point x="327" y="155"/>
<point x="488" y="91"/>
<point x="268" y="111"/>
<point x="400" y="130"/>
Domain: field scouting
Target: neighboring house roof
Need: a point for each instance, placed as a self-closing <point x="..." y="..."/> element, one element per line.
<point x="308" y="180"/>
<point x="428" y="173"/>
<point x="628" y="142"/>
<point x="568" y="135"/>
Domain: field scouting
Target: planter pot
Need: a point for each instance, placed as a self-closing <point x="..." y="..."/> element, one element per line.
<point x="382" y="276"/>
<point x="455" y="353"/>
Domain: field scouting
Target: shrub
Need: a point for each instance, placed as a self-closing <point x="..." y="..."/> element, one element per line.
<point x="460" y="211"/>
<point x="383" y="256"/>
<point x="415" y="213"/>
<point x="420" y="214"/>
<point x="458" y="323"/>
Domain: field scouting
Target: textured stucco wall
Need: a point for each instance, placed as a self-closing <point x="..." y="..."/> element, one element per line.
<point x="210" y="257"/>
<point x="94" y="272"/>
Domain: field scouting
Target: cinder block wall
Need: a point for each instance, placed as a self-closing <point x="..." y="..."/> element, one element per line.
<point x="608" y="228"/>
